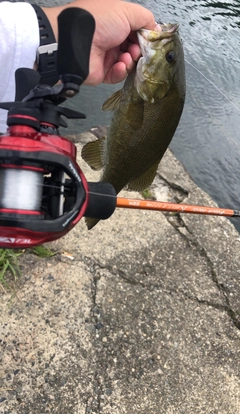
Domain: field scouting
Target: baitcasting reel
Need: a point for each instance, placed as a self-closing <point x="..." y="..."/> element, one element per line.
<point x="43" y="192"/>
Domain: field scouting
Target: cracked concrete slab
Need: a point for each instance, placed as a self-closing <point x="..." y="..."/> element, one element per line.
<point x="144" y="318"/>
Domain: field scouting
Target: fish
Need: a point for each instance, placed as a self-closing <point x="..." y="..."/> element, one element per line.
<point x="146" y="113"/>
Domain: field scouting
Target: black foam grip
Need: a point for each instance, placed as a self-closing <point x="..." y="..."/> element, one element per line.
<point x="102" y="200"/>
<point x="26" y="80"/>
<point x="75" y="33"/>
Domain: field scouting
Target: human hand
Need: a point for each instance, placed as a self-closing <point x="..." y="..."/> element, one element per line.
<point x="115" y="47"/>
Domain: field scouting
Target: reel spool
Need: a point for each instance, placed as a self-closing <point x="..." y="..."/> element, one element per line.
<point x="20" y="188"/>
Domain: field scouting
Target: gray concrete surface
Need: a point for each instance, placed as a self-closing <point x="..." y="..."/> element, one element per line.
<point x="139" y="315"/>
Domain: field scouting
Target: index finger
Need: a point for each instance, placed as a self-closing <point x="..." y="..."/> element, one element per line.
<point x="139" y="17"/>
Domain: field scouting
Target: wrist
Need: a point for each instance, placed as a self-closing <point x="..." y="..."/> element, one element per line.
<point x="52" y="14"/>
<point x="46" y="63"/>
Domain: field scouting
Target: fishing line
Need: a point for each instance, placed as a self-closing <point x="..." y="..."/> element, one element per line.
<point x="219" y="90"/>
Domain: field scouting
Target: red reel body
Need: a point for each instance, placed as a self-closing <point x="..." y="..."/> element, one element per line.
<point x="58" y="194"/>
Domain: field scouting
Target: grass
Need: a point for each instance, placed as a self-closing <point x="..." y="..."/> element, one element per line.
<point x="147" y="194"/>
<point x="43" y="251"/>
<point x="9" y="262"/>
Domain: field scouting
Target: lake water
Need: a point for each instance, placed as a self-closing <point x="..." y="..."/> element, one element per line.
<point x="207" y="141"/>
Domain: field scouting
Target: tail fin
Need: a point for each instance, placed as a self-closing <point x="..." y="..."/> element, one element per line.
<point x="91" y="222"/>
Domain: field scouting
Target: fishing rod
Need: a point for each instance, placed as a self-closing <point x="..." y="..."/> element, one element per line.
<point x="175" y="207"/>
<point x="164" y="206"/>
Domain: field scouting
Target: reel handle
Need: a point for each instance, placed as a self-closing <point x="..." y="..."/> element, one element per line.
<point x="76" y="29"/>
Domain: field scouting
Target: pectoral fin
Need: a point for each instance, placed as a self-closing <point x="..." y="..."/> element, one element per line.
<point x="145" y="180"/>
<point x="93" y="154"/>
<point x="112" y="102"/>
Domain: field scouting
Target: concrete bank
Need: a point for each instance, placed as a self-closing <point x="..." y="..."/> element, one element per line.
<point x="139" y="315"/>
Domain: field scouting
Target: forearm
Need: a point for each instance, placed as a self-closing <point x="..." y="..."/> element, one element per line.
<point x="52" y="15"/>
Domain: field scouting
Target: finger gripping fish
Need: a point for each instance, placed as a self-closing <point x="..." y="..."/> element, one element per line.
<point x="146" y="114"/>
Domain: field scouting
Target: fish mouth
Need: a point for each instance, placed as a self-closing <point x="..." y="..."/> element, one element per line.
<point x="161" y="31"/>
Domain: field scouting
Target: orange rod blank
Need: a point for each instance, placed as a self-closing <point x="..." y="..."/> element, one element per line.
<point x="175" y="207"/>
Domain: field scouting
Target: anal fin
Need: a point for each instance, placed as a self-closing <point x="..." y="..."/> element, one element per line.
<point x="145" y="180"/>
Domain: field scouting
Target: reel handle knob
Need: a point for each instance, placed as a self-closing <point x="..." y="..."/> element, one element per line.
<point x="76" y="28"/>
<point x="25" y="80"/>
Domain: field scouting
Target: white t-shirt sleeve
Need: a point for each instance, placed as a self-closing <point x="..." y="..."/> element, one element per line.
<point x="19" y="40"/>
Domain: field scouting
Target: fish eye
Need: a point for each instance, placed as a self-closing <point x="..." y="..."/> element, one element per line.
<point x="171" y="56"/>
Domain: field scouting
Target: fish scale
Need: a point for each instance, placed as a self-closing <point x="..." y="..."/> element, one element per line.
<point x="146" y="114"/>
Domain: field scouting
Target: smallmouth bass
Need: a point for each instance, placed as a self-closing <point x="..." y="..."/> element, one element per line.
<point x="146" y="114"/>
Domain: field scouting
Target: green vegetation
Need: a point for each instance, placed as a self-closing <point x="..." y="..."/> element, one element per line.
<point x="147" y="194"/>
<point x="43" y="251"/>
<point x="9" y="262"/>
